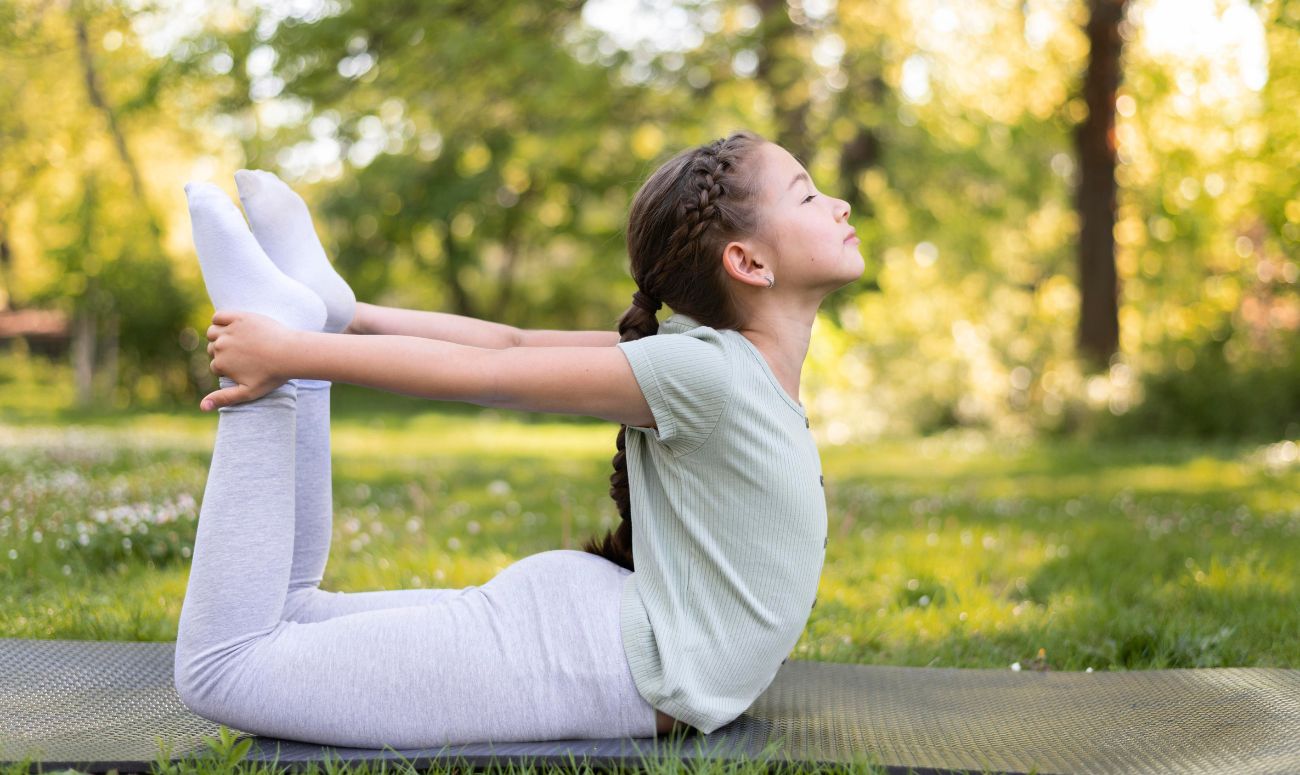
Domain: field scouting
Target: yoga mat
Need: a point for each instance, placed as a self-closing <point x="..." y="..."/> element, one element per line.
<point x="96" y="706"/>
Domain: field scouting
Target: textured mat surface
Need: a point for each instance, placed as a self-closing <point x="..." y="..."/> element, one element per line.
<point x="100" y="705"/>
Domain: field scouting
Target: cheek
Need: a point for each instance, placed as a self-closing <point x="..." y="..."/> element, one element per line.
<point x="818" y="241"/>
<point x="797" y="240"/>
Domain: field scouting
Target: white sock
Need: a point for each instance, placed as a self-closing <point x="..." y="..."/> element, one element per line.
<point x="237" y="273"/>
<point x="283" y="226"/>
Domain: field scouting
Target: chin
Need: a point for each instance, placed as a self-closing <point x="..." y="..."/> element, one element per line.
<point x="855" y="273"/>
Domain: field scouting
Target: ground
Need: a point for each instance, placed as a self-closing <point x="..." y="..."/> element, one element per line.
<point x="953" y="551"/>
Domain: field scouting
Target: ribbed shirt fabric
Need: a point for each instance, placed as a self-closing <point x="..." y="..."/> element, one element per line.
<point x="729" y="524"/>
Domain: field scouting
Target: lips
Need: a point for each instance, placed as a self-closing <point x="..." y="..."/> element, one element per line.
<point x="853" y="237"/>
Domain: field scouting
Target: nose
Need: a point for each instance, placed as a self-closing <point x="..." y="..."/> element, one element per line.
<point x="841" y="209"/>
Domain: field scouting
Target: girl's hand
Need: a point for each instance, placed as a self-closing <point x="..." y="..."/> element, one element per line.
<point x="245" y="347"/>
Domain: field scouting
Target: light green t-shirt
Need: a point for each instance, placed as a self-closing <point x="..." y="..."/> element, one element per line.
<point x="728" y="524"/>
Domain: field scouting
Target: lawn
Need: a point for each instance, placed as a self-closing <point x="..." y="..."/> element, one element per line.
<point x="954" y="551"/>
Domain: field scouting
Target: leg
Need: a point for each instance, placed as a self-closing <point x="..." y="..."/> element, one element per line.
<point x="254" y="449"/>
<point x="281" y="270"/>
<point x="534" y="654"/>
<point x="244" y="544"/>
<point x="313" y="524"/>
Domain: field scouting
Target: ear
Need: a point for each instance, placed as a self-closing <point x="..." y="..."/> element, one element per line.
<point x="743" y="262"/>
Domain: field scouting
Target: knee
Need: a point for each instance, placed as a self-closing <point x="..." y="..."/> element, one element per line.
<point x="204" y="682"/>
<point x="189" y="679"/>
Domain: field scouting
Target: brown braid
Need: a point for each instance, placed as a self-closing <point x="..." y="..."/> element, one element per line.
<point x="681" y="219"/>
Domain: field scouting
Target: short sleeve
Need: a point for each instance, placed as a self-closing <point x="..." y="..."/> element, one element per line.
<point x="686" y="380"/>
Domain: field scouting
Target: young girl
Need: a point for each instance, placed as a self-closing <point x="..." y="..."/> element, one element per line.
<point x="719" y="469"/>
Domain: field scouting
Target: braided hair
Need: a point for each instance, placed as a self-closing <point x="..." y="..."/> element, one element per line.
<point x="680" y="221"/>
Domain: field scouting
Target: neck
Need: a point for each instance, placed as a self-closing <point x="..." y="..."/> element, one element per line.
<point x="781" y="334"/>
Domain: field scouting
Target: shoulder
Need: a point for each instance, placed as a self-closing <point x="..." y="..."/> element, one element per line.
<point x="677" y="329"/>
<point x="700" y="351"/>
<point x="686" y="378"/>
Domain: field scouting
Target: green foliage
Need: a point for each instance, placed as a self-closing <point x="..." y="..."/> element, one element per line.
<point x="1221" y="389"/>
<point x="227" y="748"/>
<point x="75" y="200"/>
<point x="483" y="173"/>
<point x="480" y="160"/>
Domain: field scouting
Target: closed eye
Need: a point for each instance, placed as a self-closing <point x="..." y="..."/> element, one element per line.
<point x="808" y="199"/>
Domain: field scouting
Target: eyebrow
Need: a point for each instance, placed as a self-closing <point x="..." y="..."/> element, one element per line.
<point x="797" y="178"/>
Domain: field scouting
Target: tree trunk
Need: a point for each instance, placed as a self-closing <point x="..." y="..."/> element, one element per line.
<point x="1098" y="335"/>
<point x="453" y="259"/>
<point x="96" y="96"/>
<point x="861" y="153"/>
<point x="506" y="280"/>
<point x="6" y="264"/>
<point x="784" y="73"/>
<point x="108" y="358"/>
<point x="506" y="277"/>
<point x="83" y="355"/>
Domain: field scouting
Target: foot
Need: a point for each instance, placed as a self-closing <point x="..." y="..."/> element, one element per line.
<point x="236" y="271"/>
<point x="283" y="227"/>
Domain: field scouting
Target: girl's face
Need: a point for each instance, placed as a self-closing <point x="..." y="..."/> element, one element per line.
<point x="805" y="235"/>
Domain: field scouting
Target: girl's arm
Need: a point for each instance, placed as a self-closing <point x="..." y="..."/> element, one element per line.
<point x="260" y="354"/>
<point x="374" y="319"/>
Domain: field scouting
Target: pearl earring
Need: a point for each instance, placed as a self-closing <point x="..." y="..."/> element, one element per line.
<point x="771" y="281"/>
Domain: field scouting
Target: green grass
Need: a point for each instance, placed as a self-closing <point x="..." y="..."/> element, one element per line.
<point x="225" y="753"/>
<point x="954" y="551"/>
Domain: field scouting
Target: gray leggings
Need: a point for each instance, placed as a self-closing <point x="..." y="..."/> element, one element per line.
<point x="533" y="654"/>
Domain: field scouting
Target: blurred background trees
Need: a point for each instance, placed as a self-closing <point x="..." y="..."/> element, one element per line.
<point x="1061" y="235"/>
